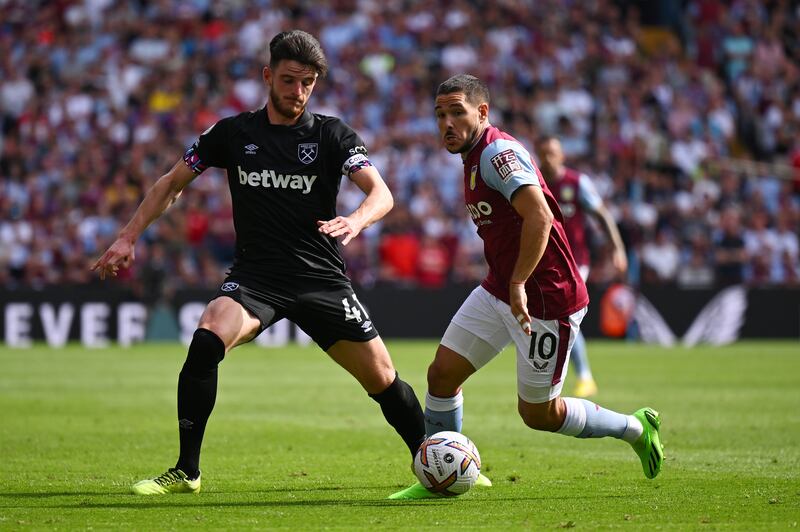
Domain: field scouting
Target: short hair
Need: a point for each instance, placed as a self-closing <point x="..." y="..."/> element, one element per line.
<point x="300" y="46"/>
<point x="545" y="139"/>
<point x="475" y="90"/>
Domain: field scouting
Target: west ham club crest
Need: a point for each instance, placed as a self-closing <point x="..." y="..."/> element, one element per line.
<point x="307" y="152"/>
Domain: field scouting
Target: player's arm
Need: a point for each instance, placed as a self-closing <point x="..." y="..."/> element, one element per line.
<point x="157" y="200"/>
<point x="537" y="219"/>
<point x="376" y="204"/>
<point x="609" y="226"/>
<point x="592" y="202"/>
<point x="507" y="167"/>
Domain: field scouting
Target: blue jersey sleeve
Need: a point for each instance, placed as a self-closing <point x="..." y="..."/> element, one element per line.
<point x="506" y="165"/>
<point x="588" y="195"/>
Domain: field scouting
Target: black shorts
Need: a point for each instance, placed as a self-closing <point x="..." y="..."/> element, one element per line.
<point x="327" y="312"/>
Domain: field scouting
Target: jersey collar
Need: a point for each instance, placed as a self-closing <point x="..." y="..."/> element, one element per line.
<point x="305" y="119"/>
<point x="479" y="141"/>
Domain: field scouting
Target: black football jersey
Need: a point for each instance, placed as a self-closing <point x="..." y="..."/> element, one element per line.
<point x="282" y="180"/>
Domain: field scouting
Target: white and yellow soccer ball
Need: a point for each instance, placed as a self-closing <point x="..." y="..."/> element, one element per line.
<point x="447" y="463"/>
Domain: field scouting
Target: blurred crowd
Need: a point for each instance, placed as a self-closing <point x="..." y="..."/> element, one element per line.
<point x="665" y="104"/>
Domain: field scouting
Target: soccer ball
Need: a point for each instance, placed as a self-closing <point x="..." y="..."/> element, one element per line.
<point x="447" y="463"/>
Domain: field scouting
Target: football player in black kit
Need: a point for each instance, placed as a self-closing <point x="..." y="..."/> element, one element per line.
<point x="284" y="166"/>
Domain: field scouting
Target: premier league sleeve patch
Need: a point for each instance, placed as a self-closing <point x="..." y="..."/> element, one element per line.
<point x="506" y="163"/>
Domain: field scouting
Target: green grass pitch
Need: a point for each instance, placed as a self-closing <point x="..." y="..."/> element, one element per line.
<point x="295" y="443"/>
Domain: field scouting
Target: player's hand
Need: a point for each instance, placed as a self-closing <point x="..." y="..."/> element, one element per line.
<point x="620" y="261"/>
<point x="341" y="226"/>
<point x="519" y="305"/>
<point x="120" y="253"/>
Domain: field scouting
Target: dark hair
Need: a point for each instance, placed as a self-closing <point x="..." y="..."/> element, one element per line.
<point x="475" y="90"/>
<point x="544" y="139"/>
<point x="297" y="45"/>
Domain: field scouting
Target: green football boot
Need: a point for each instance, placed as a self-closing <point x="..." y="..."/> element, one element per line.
<point x="415" y="491"/>
<point x="418" y="491"/>
<point x="173" y="481"/>
<point x="648" y="446"/>
<point x="483" y="481"/>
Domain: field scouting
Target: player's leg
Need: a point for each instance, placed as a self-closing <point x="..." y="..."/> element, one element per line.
<point x="335" y="318"/>
<point x="585" y="385"/>
<point x="541" y="368"/>
<point x="444" y="399"/>
<point x="474" y="337"/>
<point x="224" y="324"/>
<point x="460" y="354"/>
<point x="369" y="362"/>
<point x="581" y="418"/>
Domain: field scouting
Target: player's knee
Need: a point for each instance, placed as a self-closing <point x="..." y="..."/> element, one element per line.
<point x="444" y="375"/>
<point x="543" y="416"/>
<point x="375" y="380"/>
<point x="438" y="380"/>
<point x="205" y="353"/>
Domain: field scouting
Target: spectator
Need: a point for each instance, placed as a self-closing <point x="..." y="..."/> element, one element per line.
<point x="433" y="263"/>
<point x="660" y="258"/>
<point x="695" y="270"/>
<point x="786" y="258"/>
<point x="91" y="100"/>
<point x="731" y="255"/>
<point x="399" y="248"/>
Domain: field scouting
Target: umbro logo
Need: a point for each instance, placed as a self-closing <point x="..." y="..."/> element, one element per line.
<point x="250" y="149"/>
<point x="229" y="287"/>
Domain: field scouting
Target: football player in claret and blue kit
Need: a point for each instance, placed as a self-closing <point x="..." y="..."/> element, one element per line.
<point x="578" y="199"/>
<point x="284" y="167"/>
<point x="533" y="295"/>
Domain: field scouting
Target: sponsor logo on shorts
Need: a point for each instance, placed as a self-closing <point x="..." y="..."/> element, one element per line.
<point x="229" y="287"/>
<point x="543" y="348"/>
<point x="506" y="163"/>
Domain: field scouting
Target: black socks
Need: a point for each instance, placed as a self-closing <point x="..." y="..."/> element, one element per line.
<point x="401" y="409"/>
<point x="197" y="393"/>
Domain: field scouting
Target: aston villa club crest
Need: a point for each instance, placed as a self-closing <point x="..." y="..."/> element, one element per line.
<point x="307" y="152"/>
<point x="472" y="174"/>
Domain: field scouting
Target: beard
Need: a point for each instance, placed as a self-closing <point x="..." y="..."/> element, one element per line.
<point x="284" y="108"/>
<point x="468" y="143"/>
